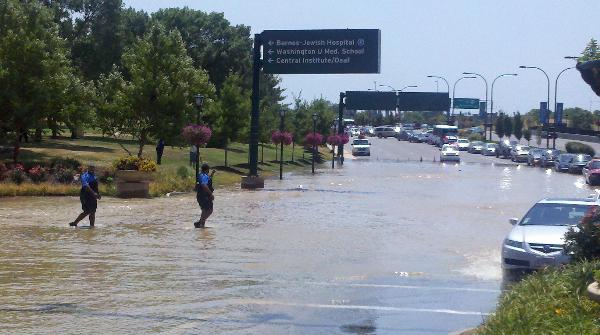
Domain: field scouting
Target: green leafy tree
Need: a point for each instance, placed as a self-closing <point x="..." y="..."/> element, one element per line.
<point x="527" y="135"/>
<point x="157" y="100"/>
<point x="508" y="126"/>
<point x="518" y="126"/>
<point x="591" y="51"/>
<point x="232" y="113"/>
<point x="579" y="118"/>
<point x="500" y="126"/>
<point x="34" y="67"/>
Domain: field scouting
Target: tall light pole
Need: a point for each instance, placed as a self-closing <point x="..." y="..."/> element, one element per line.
<point x="447" y="85"/>
<point x="556" y="102"/>
<point x="454" y="90"/>
<point x="199" y="99"/>
<point x="486" y="98"/>
<point x="492" y="95"/>
<point x="547" y="100"/>
<point x="281" y="117"/>
<point x="314" y="118"/>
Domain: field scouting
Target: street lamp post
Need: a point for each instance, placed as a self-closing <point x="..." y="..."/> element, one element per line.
<point x="547" y="101"/>
<point x="398" y="91"/>
<point x="454" y="90"/>
<point x="486" y="98"/>
<point x="447" y="85"/>
<point x="492" y="95"/>
<point x="314" y="118"/>
<point x="281" y="119"/>
<point x="556" y="102"/>
<point x="199" y="99"/>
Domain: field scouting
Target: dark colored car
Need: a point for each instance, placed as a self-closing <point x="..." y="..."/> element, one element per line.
<point x="415" y="137"/>
<point x="534" y="156"/>
<point x="548" y="157"/>
<point x="591" y="172"/>
<point x="578" y="162"/>
<point x="562" y="162"/>
<point x="505" y="147"/>
<point x="404" y="135"/>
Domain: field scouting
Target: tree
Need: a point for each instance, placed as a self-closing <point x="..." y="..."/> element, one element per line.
<point x="157" y="100"/>
<point x="500" y="126"/>
<point x="579" y="118"/>
<point x="527" y="135"/>
<point x="518" y="126"/>
<point x="508" y="126"/>
<point x="34" y="67"/>
<point x="591" y="52"/>
<point x="233" y="112"/>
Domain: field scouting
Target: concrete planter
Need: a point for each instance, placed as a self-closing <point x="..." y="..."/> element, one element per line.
<point x="133" y="184"/>
<point x="593" y="291"/>
<point x="590" y="72"/>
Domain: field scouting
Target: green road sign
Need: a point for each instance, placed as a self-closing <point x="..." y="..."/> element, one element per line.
<point x="321" y="51"/>
<point x="466" y="103"/>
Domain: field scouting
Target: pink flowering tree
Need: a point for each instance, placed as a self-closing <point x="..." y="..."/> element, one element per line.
<point x="314" y="140"/>
<point x="281" y="138"/>
<point x="198" y="135"/>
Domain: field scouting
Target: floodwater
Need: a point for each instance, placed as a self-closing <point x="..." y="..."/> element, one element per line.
<point x="376" y="247"/>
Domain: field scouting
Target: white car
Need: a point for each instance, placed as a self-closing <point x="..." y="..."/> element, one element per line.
<point x="361" y="147"/>
<point x="449" y="153"/>
<point x="463" y="144"/>
<point x="354" y="132"/>
<point x="537" y="240"/>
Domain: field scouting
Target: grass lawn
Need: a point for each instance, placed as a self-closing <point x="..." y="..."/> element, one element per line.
<point x="175" y="173"/>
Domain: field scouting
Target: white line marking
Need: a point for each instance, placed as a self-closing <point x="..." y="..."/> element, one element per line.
<point x="362" y="307"/>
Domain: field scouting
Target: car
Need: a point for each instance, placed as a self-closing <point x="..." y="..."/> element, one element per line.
<point x="404" y="135"/>
<point x="415" y="137"/>
<point x="489" y="149"/>
<point x="361" y="147"/>
<point x="534" y="156"/>
<point x="449" y="152"/>
<point x="548" y="157"/>
<point x="537" y="240"/>
<point x="384" y="131"/>
<point x="354" y="132"/>
<point x="562" y="162"/>
<point x="578" y="162"/>
<point x="504" y="148"/>
<point x="591" y="172"/>
<point x="463" y="144"/>
<point x="475" y="147"/>
<point x="519" y="153"/>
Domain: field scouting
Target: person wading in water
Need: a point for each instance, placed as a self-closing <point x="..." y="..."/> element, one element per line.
<point x="204" y="195"/>
<point x="88" y="196"/>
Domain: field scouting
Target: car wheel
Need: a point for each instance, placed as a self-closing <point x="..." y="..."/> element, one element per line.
<point x="378" y="135"/>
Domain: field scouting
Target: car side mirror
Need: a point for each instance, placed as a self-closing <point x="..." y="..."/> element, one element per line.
<point x="513" y="221"/>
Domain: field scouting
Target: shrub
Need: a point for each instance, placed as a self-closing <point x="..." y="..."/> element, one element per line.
<point x="183" y="172"/>
<point x="37" y="174"/>
<point x="584" y="241"/>
<point x="66" y="163"/>
<point x="64" y="176"/>
<point x="580" y="148"/>
<point x="135" y="163"/>
<point x="17" y="176"/>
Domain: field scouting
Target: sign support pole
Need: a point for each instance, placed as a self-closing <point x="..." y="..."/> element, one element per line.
<point x="341" y="107"/>
<point x="253" y="181"/>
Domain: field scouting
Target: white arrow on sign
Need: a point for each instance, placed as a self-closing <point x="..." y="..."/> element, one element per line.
<point x="270" y="42"/>
<point x="270" y="60"/>
<point x="270" y="52"/>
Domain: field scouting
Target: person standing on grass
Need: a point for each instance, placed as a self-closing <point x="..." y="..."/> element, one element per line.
<point x="89" y="196"/>
<point x="193" y="155"/>
<point x="160" y="147"/>
<point x="204" y="195"/>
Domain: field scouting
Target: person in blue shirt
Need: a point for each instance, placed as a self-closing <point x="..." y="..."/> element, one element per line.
<point x="204" y="195"/>
<point x="89" y="196"/>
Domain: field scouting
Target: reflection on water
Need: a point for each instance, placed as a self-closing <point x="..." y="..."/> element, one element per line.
<point x="375" y="247"/>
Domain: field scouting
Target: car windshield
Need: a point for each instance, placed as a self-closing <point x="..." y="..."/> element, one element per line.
<point x="544" y="214"/>
<point x="565" y="158"/>
<point x="595" y="165"/>
<point x="522" y="148"/>
<point x="477" y="143"/>
<point x="463" y="141"/>
<point x="361" y="142"/>
<point x="582" y="158"/>
<point x="490" y="145"/>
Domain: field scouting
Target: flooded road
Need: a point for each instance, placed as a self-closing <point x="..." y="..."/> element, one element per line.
<point x="380" y="246"/>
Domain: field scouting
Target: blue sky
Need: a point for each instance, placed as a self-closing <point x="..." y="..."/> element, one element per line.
<point x="442" y="38"/>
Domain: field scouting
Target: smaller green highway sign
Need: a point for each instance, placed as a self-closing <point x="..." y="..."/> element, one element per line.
<point x="466" y="103"/>
<point x="321" y="51"/>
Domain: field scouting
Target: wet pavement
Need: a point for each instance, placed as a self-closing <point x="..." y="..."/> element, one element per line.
<point x="384" y="245"/>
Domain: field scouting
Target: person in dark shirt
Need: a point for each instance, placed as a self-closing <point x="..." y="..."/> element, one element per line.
<point x="204" y="195"/>
<point x="160" y="147"/>
<point x="89" y="196"/>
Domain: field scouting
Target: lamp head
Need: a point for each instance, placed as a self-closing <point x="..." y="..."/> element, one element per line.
<point x="282" y="113"/>
<point x="523" y="67"/>
<point x="315" y="116"/>
<point x="199" y="100"/>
